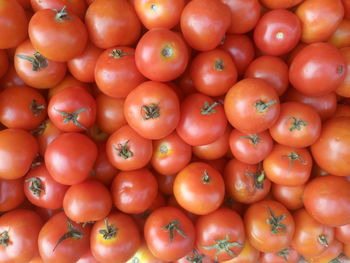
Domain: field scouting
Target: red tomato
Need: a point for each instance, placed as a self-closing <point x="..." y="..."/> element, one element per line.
<point x="45" y="133"/>
<point x="290" y="196"/>
<point x="204" y="23"/>
<point x="276" y="4"/>
<point x="344" y="88"/>
<point x="87" y="257"/>
<point x="11" y="194"/>
<point x="165" y="183"/>
<point x="287" y="255"/>
<point x="4" y="63"/>
<point x="330" y="254"/>
<point x="11" y="78"/>
<point x="342" y="111"/>
<point x="346" y="250"/>
<point x="341" y="36"/>
<point x="144" y="255"/>
<point x="248" y="255"/>
<point x="342" y="233"/>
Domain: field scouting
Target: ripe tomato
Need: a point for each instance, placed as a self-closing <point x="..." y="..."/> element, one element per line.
<point x="331" y="151"/>
<point x="165" y="183"/>
<point x="72" y="109"/>
<point x="252" y="105"/>
<point x="169" y="233"/>
<point x="287" y="255"/>
<point x="342" y="233"/>
<point x="342" y="111"/>
<point x="45" y="133"/>
<point x="290" y="196"/>
<point x="4" y="63"/>
<point x="11" y="78"/>
<point x="13" y="25"/>
<point x="271" y="69"/>
<point x="22" y="107"/>
<point x="144" y="255"/>
<point x="37" y="259"/>
<point x="64" y="33"/>
<point x="195" y="256"/>
<point x="311" y="238"/>
<point x="276" y="4"/>
<point x="134" y="191"/>
<point x="42" y="190"/>
<point x="87" y="257"/>
<point x="199" y="188"/>
<point x="248" y="255"/>
<point x="329" y="255"/>
<point x="327" y="199"/>
<point x="213" y="72"/>
<point x="204" y="23"/>
<point x="344" y="88"/>
<point x="112" y="23"/>
<point x="70" y="158"/>
<point x="202" y="120"/>
<point x="19" y="231"/>
<point x="269" y="226"/>
<point x="152" y="109"/>
<point x="317" y="69"/>
<point x="341" y="36"/>
<point x="220" y="234"/>
<point x="11" y="194"/>
<point x="18" y="150"/>
<point x="61" y="240"/>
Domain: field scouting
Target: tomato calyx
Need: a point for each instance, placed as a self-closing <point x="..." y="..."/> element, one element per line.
<point x="275" y="222"/>
<point x="163" y="149"/>
<point x="253" y="138"/>
<point x="35" y="186"/>
<point x="4" y="239"/>
<point x="340" y="69"/>
<point x="119" y="53"/>
<point x="259" y="178"/>
<point x="150" y="111"/>
<point x="206" y="178"/>
<point x="223" y="245"/>
<point x="38" y="160"/>
<point x="36" y="108"/>
<point x="73" y="117"/>
<point x="219" y="65"/>
<point x="73" y="233"/>
<point x="209" y="108"/>
<point x="262" y="106"/>
<point x="322" y="239"/>
<point x="196" y="258"/>
<point x="167" y="51"/>
<point x="87" y="223"/>
<point x="173" y="226"/>
<point x="335" y="260"/>
<point x="40" y="129"/>
<point x="284" y="253"/>
<point x="146" y="213"/>
<point x="38" y="61"/>
<point x="123" y="150"/>
<point x="293" y="156"/>
<point x="62" y="14"/>
<point x="297" y="123"/>
<point x="109" y="232"/>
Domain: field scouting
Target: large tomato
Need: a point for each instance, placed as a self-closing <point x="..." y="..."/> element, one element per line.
<point x="45" y="133"/>
<point x="276" y="4"/>
<point x="11" y="194"/>
<point x="331" y="254"/>
<point x="342" y="233"/>
<point x="287" y="255"/>
<point x="290" y="196"/>
<point x="144" y="255"/>
<point x="249" y="254"/>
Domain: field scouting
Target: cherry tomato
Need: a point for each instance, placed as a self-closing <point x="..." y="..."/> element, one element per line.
<point x="11" y="194"/>
<point x="290" y="196"/>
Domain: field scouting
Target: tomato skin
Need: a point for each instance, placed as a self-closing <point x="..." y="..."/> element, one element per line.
<point x="290" y="196"/>
<point x="204" y="23"/>
<point x="11" y="194"/>
<point x="144" y="255"/>
<point x="11" y="78"/>
<point x="70" y="158"/>
<point x="158" y="240"/>
<point x="45" y="133"/>
<point x="341" y="35"/>
<point x="112" y="23"/>
<point x="334" y="140"/>
<point x="248" y="255"/>
<point x="344" y="88"/>
<point x="19" y="149"/>
<point x="290" y="256"/>
<point x="87" y="257"/>
<point x="14" y="24"/>
<point x="273" y="4"/>
<point x="152" y="109"/>
<point x="332" y="252"/>
<point x="259" y="231"/>
<point x="342" y="233"/>
<point x="323" y="191"/>
<point x="4" y="63"/>
<point x="277" y="32"/>
<point x="22" y="227"/>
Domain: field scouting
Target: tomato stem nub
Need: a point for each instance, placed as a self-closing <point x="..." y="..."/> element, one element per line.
<point x="223" y="245"/>
<point x="72" y="117"/>
<point x="253" y="138"/>
<point x="38" y="160"/>
<point x="4" y="239"/>
<point x="167" y="51"/>
<point x="206" y="178"/>
<point x="196" y="258"/>
<point x="335" y="260"/>
<point x="284" y="253"/>
<point x="275" y="222"/>
<point x="262" y="106"/>
<point x="73" y="233"/>
<point x="323" y="240"/>
<point x="293" y="156"/>
<point x="36" y="108"/>
<point x="118" y="53"/>
<point x="38" y="61"/>
<point x="109" y="232"/>
<point x="259" y="178"/>
<point x="35" y="186"/>
<point x="123" y="150"/>
<point x="209" y="108"/>
<point x="40" y="129"/>
<point x="62" y="14"/>
<point x="219" y="65"/>
<point x="150" y="111"/>
<point x="172" y="227"/>
<point x="297" y="123"/>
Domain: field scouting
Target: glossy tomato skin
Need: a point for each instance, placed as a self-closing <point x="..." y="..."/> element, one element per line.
<point x="340" y="37"/>
<point x="252" y="105"/>
<point x="70" y="158"/>
<point x="144" y="255"/>
<point x="45" y="133"/>
<point x="160" y="224"/>
<point x="277" y="32"/>
<point x="344" y="88"/>
<point x="11" y="78"/>
<point x="202" y="120"/>
<point x="290" y="196"/>
<point x="42" y="190"/>
<point x="11" y="194"/>
<point x="248" y="255"/>
<point x="276" y="4"/>
<point x="332" y="252"/>
<point x="65" y="34"/>
<point x="152" y="109"/>
<point x="321" y="193"/>
<point x="112" y="23"/>
<point x="19" y="149"/>
<point x="265" y="233"/>
<point x="222" y="224"/>
<point x="317" y="69"/>
<point x="204" y="23"/>
<point x="87" y="257"/>
<point x="331" y="150"/>
<point x="342" y="233"/>
<point x="311" y="238"/>
<point x="287" y="255"/>
<point x="22" y="227"/>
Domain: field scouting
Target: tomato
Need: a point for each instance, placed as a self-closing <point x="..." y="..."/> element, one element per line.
<point x="38" y="259"/>
<point x="170" y="154"/>
<point x="72" y="109"/>
<point x="344" y="88"/>
<point x="42" y="190"/>
<point x="346" y="250"/>
<point x="11" y="78"/>
<point x="251" y="105"/>
<point x="204" y="23"/>
<point x="11" y="194"/>
<point x="276" y="4"/>
<point x="19" y="231"/>
<point x="269" y="226"/>
<point x="18" y="150"/>
<point x="144" y="255"/>
<point x="45" y="133"/>
<point x="82" y="67"/>
<point x="248" y="255"/>
<point x="319" y="19"/>
<point x="116" y="73"/>
<point x="64" y="33"/>
<point x="287" y="255"/>
<point x="165" y="183"/>
<point x="327" y="199"/>
<point x="277" y="32"/>
<point x="271" y="69"/>
<point x="159" y="13"/>
<point x="329" y="255"/>
<point x="317" y="69"/>
<point x="341" y="36"/>
<point x="61" y="240"/>
<point x="152" y="109"/>
<point x="13" y="25"/>
<point x="4" y="63"/>
<point x="346" y="4"/>
<point x="202" y="120"/>
<point x="22" y="107"/>
<point x="112" y="23"/>
<point x="342" y="111"/>
<point x="70" y="158"/>
<point x="213" y="72"/>
<point x="290" y="196"/>
<point x="87" y="257"/>
<point x="331" y="151"/>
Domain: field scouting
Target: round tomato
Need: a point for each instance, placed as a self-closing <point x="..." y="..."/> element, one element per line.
<point x="287" y="255"/>
<point x="290" y="196"/>
<point x="331" y="254"/>
<point x="45" y="133"/>
<point x="276" y="4"/>
<point x="341" y="36"/>
<point x="344" y="88"/>
<point x="248" y="255"/>
<point x="11" y="194"/>
<point x="144" y="255"/>
<point x="342" y="233"/>
<point x="87" y="257"/>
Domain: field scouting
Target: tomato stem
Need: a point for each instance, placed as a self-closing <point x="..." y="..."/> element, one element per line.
<point x="219" y="65"/>
<point x="259" y="177"/>
<point x="323" y="240"/>
<point x="262" y="106"/>
<point x="167" y="51"/>
<point x="62" y="14"/>
<point x="209" y="108"/>
<point x="73" y="233"/>
<point x="223" y="245"/>
<point x="172" y="227"/>
<point x="36" y="108"/>
<point x="40" y="129"/>
<point x="73" y="117"/>
<point x="123" y="150"/>
<point x="35" y="186"/>
<point x="206" y="178"/>
<point x="4" y="239"/>
<point x="196" y="258"/>
<point x="275" y="222"/>
<point x="109" y="232"/>
<point x="297" y="123"/>
<point x="253" y="138"/>
<point x="119" y="53"/>
<point x="284" y="253"/>
<point x="335" y="260"/>
<point x="293" y="156"/>
<point x="38" y="61"/>
<point x="150" y="111"/>
<point x="340" y="69"/>
<point x="38" y="160"/>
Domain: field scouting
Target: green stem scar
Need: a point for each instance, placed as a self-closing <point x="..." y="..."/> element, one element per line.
<point x="118" y="53"/>
<point x="109" y="231"/>
<point x="72" y="117"/>
<point x="38" y="61"/>
<point x="150" y="111"/>
<point x="275" y="222"/>
<point x="219" y="65"/>
<point x="262" y="106"/>
<point x="4" y="239"/>
<point x="284" y="253"/>
<point x="253" y="138"/>
<point x="196" y="258"/>
<point x="36" y="108"/>
<point x="209" y="108"/>
<point x="73" y="233"/>
<point x="35" y="186"/>
<point x="205" y="177"/>
<point x="297" y="123"/>
<point x="293" y="156"/>
<point x="223" y="245"/>
<point x="123" y="150"/>
<point x="172" y="227"/>
<point x="62" y="15"/>
<point x="322" y="239"/>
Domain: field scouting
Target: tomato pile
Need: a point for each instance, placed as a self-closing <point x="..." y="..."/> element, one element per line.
<point x="174" y="131"/>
